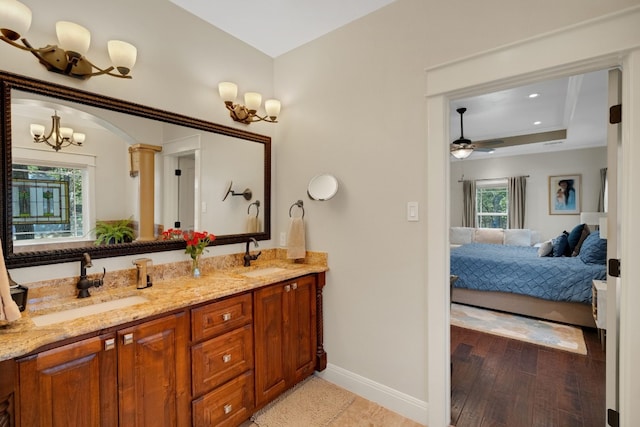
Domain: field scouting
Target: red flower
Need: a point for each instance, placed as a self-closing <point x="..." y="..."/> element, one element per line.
<point x="196" y="241"/>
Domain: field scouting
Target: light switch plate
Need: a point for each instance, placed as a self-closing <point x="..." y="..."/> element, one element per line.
<point x="413" y="213"/>
<point x="283" y="238"/>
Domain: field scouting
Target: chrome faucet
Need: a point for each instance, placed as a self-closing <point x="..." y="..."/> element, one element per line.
<point x="84" y="283"/>
<point x="247" y="256"/>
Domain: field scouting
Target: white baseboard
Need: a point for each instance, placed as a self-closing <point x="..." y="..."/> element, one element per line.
<point x="399" y="402"/>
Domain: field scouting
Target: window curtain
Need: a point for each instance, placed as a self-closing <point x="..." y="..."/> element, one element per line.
<point x="469" y="203"/>
<point x="517" y="199"/>
<point x="603" y="186"/>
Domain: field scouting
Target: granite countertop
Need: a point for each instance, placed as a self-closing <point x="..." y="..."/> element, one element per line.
<point x="23" y="336"/>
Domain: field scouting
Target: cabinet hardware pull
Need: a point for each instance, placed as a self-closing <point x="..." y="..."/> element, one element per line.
<point x="226" y="317"/>
<point x="294" y="286"/>
<point x="127" y="339"/>
<point x="226" y="358"/>
<point x="228" y="408"/>
<point x="287" y="288"/>
<point x="109" y="344"/>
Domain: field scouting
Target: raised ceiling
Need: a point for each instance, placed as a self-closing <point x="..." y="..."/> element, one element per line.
<point x="576" y="103"/>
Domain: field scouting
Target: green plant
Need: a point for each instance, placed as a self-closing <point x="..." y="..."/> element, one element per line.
<point x="108" y="232"/>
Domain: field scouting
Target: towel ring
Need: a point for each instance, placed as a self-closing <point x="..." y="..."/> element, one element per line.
<point x="257" y="204"/>
<point x="299" y="204"/>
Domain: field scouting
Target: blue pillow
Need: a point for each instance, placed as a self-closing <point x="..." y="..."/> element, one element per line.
<point x="561" y="245"/>
<point x="594" y="249"/>
<point x="574" y="236"/>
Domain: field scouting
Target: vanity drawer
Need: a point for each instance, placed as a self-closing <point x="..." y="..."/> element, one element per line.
<point x="228" y="405"/>
<point x="220" y="317"/>
<point x="219" y="359"/>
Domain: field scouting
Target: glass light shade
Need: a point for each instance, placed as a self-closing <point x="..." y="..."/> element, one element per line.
<point x="15" y="17"/>
<point x="123" y="55"/>
<point x="462" y="153"/>
<point x="73" y="37"/>
<point x="603" y="227"/>
<point x="591" y="218"/>
<point x="66" y="132"/>
<point x="228" y="91"/>
<point x="252" y="101"/>
<point x="272" y="106"/>
<point x="36" y="130"/>
<point x="79" y="137"/>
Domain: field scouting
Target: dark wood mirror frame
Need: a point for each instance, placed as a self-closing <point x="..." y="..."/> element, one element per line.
<point x="10" y="81"/>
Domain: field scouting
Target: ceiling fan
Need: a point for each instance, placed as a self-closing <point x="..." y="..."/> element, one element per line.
<point x="462" y="147"/>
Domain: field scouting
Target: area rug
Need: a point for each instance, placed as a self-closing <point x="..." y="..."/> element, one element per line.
<point x="549" y="334"/>
<point x="312" y="403"/>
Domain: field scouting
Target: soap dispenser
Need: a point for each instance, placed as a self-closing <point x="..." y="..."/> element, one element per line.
<point x="143" y="265"/>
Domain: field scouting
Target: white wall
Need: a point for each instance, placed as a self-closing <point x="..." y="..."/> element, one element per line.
<point x="355" y="108"/>
<point x="539" y="167"/>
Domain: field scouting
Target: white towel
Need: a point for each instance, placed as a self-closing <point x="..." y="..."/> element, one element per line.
<point x="253" y="224"/>
<point x="295" y="241"/>
<point x="8" y="308"/>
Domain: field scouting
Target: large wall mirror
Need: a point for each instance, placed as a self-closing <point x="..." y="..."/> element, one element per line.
<point x="206" y="176"/>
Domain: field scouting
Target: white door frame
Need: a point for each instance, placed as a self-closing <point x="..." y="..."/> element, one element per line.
<point x="609" y="41"/>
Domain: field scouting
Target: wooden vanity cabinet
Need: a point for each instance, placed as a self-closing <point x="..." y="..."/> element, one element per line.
<point x="8" y="393"/>
<point x="285" y="336"/>
<point x="137" y="377"/>
<point x="222" y="362"/>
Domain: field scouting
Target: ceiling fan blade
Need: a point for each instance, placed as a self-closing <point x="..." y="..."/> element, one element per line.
<point x="531" y="138"/>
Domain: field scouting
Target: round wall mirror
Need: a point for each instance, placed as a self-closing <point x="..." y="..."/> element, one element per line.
<point x="322" y="187"/>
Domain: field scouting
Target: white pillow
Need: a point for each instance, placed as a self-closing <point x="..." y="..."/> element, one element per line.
<point x="517" y="237"/>
<point x="489" y="235"/>
<point x="536" y="237"/>
<point x="545" y="248"/>
<point x="460" y="235"/>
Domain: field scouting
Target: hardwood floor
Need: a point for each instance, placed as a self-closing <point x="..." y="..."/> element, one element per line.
<point x="498" y="381"/>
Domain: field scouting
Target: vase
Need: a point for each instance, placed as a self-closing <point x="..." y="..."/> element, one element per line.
<point x="195" y="266"/>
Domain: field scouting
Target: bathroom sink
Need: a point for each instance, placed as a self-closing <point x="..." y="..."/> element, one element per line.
<point x="75" y="313"/>
<point x="263" y="271"/>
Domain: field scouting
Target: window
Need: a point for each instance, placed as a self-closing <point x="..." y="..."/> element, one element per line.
<point x="47" y="202"/>
<point x="492" y="201"/>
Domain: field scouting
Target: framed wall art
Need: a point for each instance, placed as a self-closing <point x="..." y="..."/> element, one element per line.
<point x="564" y="194"/>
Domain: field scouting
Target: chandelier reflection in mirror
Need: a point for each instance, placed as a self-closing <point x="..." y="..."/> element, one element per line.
<point x="73" y="40"/>
<point x="59" y="137"/>
<point x="249" y="112"/>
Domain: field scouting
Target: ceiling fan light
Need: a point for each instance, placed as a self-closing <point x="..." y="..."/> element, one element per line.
<point x="15" y="19"/>
<point x="461" y="153"/>
<point x="73" y="38"/>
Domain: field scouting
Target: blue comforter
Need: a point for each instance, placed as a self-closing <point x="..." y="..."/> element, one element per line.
<point x="519" y="269"/>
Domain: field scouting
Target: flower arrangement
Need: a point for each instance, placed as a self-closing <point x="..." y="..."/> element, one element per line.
<point x="196" y="241"/>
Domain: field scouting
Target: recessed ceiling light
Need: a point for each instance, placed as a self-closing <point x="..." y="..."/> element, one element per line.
<point x="537" y="122"/>
<point x="534" y="95"/>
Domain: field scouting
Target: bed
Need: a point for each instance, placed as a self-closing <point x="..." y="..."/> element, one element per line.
<point x="516" y="279"/>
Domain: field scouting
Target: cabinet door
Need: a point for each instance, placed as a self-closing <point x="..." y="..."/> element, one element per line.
<point x="302" y="328"/>
<point x="72" y="385"/>
<point x="269" y="314"/>
<point x="153" y="373"/>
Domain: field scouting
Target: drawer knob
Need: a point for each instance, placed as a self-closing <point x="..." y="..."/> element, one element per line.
<point x="228" y="408"/>
<point x="294" y="285"/>
<point x="226" y="317"/>
<point x="109" y="344"/>
<point x="127" y="339"/>
<point x="287" y="288"/>
<point x="226" y="358"/>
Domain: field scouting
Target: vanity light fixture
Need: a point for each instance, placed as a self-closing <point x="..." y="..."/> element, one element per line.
<point x="249" y="112"/>
<point x="74" y="40"/>
<point x="59" y="137"/>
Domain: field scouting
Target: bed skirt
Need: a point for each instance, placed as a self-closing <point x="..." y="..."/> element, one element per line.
<point x="572" y="313"/>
